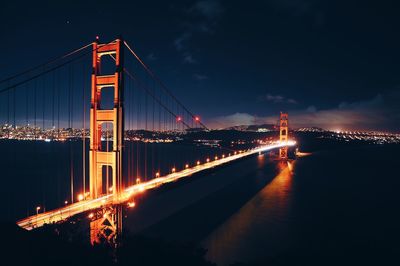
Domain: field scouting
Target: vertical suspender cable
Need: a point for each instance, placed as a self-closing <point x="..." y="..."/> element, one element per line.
<point x="145" y="143"/>
<point x="26" y="125"/>
<point x="34" y="104"/>
<point x="69" y="132"/>
<point x="152" y="144"/>
<point x="43" y="135"/>
<point x="8" y="114"/>
<point x="83" y="133"/>
<point x="107" y="167"/>
<point x="52" y="106"/>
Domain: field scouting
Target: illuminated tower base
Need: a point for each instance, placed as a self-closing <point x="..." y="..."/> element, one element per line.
<point x="106" y="225"/>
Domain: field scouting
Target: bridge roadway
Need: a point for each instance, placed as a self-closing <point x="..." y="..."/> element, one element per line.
<point x="60" y="214"/>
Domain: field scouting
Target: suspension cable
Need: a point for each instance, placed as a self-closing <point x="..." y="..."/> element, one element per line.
<point x="153" y="96"/>
<point x="46" y="63"/>
<point x="151" y="73"/>
<point x="49" y="70"/>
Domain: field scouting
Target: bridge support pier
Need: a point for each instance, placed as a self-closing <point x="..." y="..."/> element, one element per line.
<point x="106" y="225"/>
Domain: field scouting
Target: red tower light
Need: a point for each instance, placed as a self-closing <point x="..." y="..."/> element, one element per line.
<point x="197" y="119"/>
<point x="178" y="119"/>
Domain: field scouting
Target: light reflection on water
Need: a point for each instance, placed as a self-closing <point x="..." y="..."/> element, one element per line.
<point x="263" y="216"/>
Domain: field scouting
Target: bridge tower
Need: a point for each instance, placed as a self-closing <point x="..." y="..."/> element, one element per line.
<point x="107" y="224"/>
<point x="283" y="134"/>
<point x="98" y="158"/>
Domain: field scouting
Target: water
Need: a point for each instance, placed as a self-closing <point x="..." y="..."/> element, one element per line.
<point x="338" y="206"/>
<point x="38" y="173"/>
<point x="334" y="207"/>
<point x="261" y="226"/>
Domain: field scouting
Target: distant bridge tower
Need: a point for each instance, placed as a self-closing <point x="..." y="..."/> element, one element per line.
<point x="107" y="225"/>
<point x="283" y="134"/>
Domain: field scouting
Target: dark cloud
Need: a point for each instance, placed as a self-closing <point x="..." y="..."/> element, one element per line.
<point x="210" y="9"/>
<point x="201" y="17"/>
<point x="302" y="8"/>
<point x="297" y="7"/>
<point x="236" y="119"/>
<point x="277" y="99"/>
<point x="179" y="41"/>
<point x="199" y="76"/>
<point x="151" y="57"/>
<point x="382" y="111"/>
<point x="188" y="59"/>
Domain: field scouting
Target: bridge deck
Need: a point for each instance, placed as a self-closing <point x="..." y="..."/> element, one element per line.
<point x="65" y="212"/>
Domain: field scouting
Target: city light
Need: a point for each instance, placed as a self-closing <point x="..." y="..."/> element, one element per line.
<point x="186" y="166"/>
<point x="216" y="157"/>
<point x="198" y="162"/>
<point x="66" y="202"/>
<point x="158" y="174"/>
<point x="131" y="204"/>
<point x="173" y="170"/>
<point x="80" y="197"/>
<point x="137" y="180"/>
<point x="91" y="215"/>
<point x="208" y="160"/>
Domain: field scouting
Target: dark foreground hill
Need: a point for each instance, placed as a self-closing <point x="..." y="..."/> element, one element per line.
<point x="45" y="247"/>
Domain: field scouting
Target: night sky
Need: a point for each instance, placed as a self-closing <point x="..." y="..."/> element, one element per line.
<point x="332" y="64"/>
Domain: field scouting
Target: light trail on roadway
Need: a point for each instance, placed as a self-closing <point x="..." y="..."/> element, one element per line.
<point x="63" y="213"/>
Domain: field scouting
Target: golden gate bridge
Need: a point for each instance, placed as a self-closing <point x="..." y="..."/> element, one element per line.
<point x="121" y="116"/>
